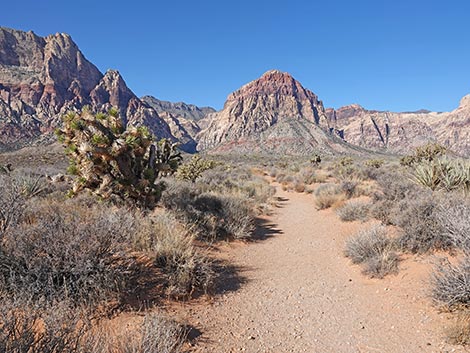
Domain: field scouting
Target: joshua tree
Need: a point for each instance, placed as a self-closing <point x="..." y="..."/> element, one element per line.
<point x="113" y="161"/>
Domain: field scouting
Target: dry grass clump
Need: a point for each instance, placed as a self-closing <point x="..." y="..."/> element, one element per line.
<point x="170" y="245"/>
<point x="27" y="328"/>
<point x="240" y="182"/>
<point x="354" y="211"/>
<point x="374" y="249"/>
<point x="421" y="230"/>
<point x="156" y="333"/>
<point x="451" y="284"/>
<point x="69" y="251"/>
<point x="326" y="195"/>
<point x="216" y="216"/>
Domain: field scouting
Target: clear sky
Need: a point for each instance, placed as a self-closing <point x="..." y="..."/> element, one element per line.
<point x="391" y="55"/>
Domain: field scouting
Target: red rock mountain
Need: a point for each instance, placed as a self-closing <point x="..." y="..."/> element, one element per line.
<point x="42" y="78"/>
<point x="401" y="132"/>
<point x="271" y="114"/>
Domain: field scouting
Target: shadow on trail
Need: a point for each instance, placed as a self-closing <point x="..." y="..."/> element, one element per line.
<point x="230" y="278"/>
<point x="265" y="229"/>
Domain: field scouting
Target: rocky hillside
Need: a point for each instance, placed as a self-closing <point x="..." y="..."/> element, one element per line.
<point x="42" y="78"/>
<point x="183" y="119"/>
<point x="400" y="132"/>
<point x="179" y="110"/>
<point x="271" y="114"/>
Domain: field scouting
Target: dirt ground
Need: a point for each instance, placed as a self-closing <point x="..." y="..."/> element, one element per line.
<point x="294" y="291"/>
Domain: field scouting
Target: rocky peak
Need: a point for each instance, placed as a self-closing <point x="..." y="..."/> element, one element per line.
<point x="275" y="99"/>
<point x="42" y="78"/>
<point x="276" y="83"/>
<point x="465" y="102"/>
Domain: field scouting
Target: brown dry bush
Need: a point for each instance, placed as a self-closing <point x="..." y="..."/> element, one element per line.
<point x="375" y="250"/>
<point x="354" y="211"/>
<point x="156" y="334"/>
<point x="64" y="250"/>
<point x="326" y="195"/>
<point x="421" y="230"/>
<point x="171" y="246"/>
<point x="459" y="330"/>
<point x="28" y="328"/>
<point x="451" y="284"/>
<point x="215" y="216"/>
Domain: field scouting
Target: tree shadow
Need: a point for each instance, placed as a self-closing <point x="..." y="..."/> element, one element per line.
<point x="265" y="230"/>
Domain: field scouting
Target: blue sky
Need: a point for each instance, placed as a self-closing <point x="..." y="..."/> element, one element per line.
<point x="391" y="55"/>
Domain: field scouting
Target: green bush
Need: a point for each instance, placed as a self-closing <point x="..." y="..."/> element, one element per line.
<point x="193" y="170"/>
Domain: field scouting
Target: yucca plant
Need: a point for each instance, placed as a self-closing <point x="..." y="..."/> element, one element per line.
<point x="428" y="175"/>
<point x="113" y="161"/>
<point x="450" y="177"/>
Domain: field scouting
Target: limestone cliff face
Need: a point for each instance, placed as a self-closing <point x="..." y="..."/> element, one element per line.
<point x="42" y="78"/>
<point x="272" y="113"/>
<point x="401" y="132"/>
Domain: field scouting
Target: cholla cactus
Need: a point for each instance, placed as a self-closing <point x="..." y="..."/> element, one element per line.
<point x="110" y="160"/>
<point x="194" y="168"/>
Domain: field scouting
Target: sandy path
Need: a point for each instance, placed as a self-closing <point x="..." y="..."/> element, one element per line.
<point x="302" y="295"/>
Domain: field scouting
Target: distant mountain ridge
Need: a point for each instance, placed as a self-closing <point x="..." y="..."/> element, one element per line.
<point x="42" y="78"/>
<point x="401" y="132"/>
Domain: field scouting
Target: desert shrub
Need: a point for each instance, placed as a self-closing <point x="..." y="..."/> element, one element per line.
<point x="156" y="333"/>
<point x="307" y="176"/>
<point x="193" y="169"/>
<point x="374" y="163"/>
<point x="381" y="265"/>
<point x="458" y="332"/>
<point x="65" y="251"/>
<point x="374" y="249"/>
<point x="239" y="182"/>
<point x="453" y="217"/>
<point x="27" y="328"/>
<point x="421" y="230"/>
<point x="299" y="187"/>
<point x="451" y="284"/>
<point x="353" y="211"/>
<point x="112" y="161"/>
<point x="394" y="187"/>
<point x="428" y="175"/>
<point x="216" y="216"/>
<point x="12" y="203"/>
<point x="384" y="211"/>
<point x="426" y="153"/>
<point x="326" y="195"/>
<point x="348" y="187"/>
<point x="171" y="246"/>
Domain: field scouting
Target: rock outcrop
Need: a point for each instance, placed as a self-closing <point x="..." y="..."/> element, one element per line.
<point x="401" y="132"/>
<point x="42" y="78"/>
<point x="273" y="114"/>
<point x="183" y="119"/>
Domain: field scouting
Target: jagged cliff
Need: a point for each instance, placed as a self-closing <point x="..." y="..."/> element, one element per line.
<point x="42" y="78"/>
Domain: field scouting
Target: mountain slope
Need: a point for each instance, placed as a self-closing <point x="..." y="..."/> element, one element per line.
<point x="183" y="119"/>
<point x="42" y="78"/>
<point x="271" y="114"/>
<point x="400" y="132"/>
